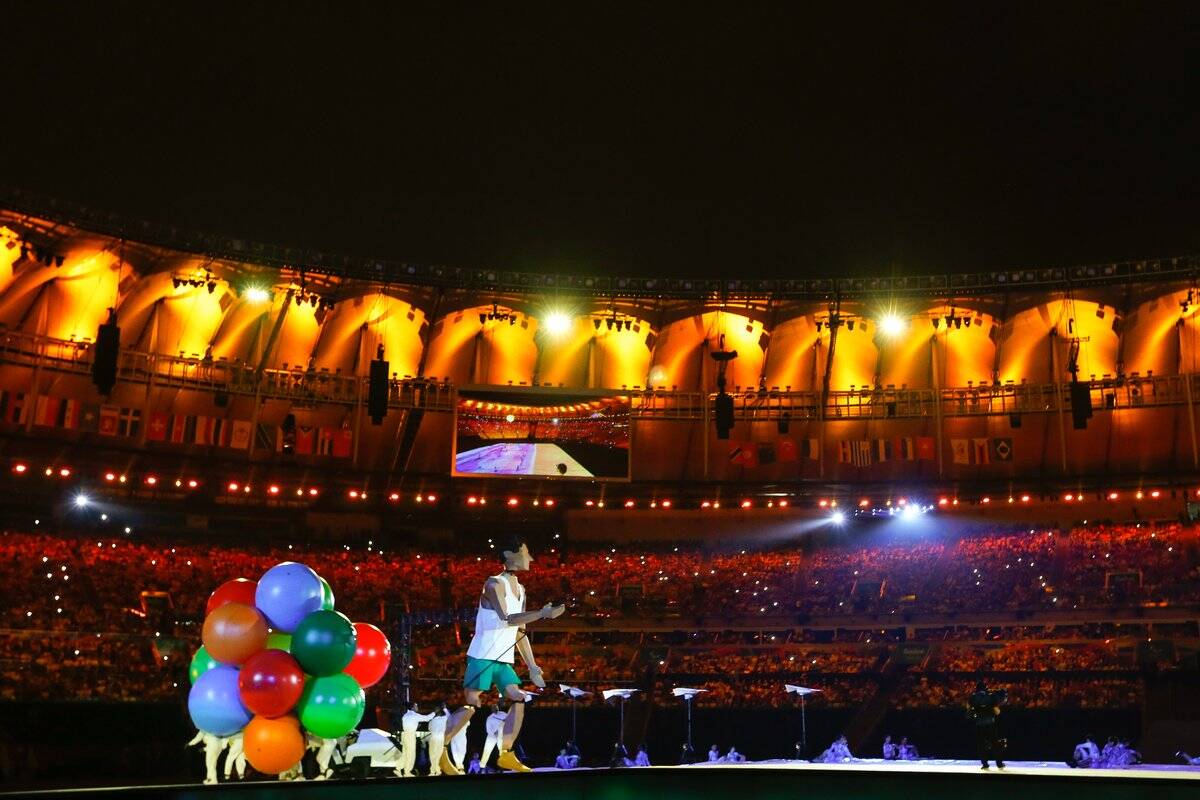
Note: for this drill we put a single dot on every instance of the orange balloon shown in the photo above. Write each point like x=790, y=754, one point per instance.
x=234, y=632
x=273, y=745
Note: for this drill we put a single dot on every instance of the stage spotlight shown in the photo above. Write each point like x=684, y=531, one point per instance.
x=628, y=324
x=909, y=512
x=837, y=517
x=558, y=323
x=257, y=294
x=934, y=321
x=483, y=318
x=596, y=323
x=212, y=286
x=850, y=325
x=608, y=323
x=892, y=325
x=82, y=500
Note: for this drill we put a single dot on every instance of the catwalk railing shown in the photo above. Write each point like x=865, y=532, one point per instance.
x=321, y=386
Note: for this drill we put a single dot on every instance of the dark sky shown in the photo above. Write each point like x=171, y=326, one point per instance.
x=896, y=139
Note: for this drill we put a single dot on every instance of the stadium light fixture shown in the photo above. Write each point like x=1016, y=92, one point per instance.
x=257, y=294
x=838, y=517
x=558, y=323
x=892, y=325
x=82, y=500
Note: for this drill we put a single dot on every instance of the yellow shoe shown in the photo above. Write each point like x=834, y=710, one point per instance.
x=508, y=760
x=447, y=765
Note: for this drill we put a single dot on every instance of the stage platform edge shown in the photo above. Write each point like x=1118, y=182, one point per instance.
x=775, y=780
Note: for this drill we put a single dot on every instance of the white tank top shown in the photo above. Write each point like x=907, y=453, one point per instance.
x=495, y=639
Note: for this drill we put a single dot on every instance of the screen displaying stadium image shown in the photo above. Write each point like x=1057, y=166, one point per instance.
x=541, y=433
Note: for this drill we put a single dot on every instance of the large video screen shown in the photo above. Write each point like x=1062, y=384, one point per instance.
x=544, y=433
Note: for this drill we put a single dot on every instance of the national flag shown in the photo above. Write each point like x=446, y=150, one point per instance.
x=845, y=452
x=884, y=450
x=926, y=449
x=129, y=422
x=46, y=411
x=268, y=437
x=239, y=438
x=183, y=429
x=325, y=438
x=159, y=426
x=786, y=450
x=862, y=453
x=766, y=452
x=211, y=431
x=343, y=440
x=904, y=450
x=741, y=453
x=1002, y=449
x=961, y=450
x=89, y=417
x=981, y=451
x=305, y=439
x=110, y=417
x=68, y=414
x=13, y=408
x=813, y=450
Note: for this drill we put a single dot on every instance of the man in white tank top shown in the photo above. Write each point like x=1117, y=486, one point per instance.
x=499, y=631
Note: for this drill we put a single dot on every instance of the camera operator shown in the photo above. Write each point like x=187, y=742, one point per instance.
x=984, y=708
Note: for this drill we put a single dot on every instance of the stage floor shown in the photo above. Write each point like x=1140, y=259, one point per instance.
x=931, y=779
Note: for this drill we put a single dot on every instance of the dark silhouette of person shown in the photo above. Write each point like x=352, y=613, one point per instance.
x=984, y=708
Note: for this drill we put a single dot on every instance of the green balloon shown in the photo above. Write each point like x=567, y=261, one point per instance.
x=331, y=706
x=324, y=642
x=279, y=641
x=202, y=662
x=326, y=595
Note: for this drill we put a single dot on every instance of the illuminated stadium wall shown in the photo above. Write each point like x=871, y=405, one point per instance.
x=972, y=385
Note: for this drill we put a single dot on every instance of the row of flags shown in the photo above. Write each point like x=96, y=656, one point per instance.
x=189, y=429
x=866, y=452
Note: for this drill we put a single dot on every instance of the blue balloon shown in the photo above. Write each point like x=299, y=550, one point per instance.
x=287, y=593
x=215, y=704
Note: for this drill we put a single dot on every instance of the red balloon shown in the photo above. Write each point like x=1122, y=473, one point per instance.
x=372, y=655
x=238, y=590
x=270, y=683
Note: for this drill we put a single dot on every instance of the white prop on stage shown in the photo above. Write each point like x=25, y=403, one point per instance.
x=575, y=693
x=494, y=738
x=620, y=754
x=378, y=745
x=688, y=754
x=802, y=692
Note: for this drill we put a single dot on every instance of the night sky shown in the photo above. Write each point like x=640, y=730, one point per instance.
x=895, y=139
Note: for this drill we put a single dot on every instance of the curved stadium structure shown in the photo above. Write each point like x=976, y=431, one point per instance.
x=1014, y=381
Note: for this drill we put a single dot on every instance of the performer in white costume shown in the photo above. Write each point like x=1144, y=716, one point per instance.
x=499, y=630
x=213, y=747
x=437, y=740
x=458, y=748
x=494, y=725
x=408, y=739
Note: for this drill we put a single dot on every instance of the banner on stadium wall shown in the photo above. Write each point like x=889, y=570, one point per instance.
x=182, y=429
x=866, y=452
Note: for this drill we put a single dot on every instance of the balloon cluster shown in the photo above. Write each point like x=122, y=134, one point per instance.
x=277, y=660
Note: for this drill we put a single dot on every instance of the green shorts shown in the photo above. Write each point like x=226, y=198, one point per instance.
x=482, y=674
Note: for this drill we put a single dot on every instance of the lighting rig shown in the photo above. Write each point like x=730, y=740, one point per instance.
x=200, y=278
x=612, y=320
x=496, y=315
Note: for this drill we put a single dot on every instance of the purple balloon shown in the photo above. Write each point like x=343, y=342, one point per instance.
x=287, y=593
x=215, y=704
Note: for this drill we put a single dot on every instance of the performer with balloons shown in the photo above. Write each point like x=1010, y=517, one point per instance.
x=499, y=630
x=278, y=662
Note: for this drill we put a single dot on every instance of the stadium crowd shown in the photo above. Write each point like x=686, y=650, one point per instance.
x=77, y=612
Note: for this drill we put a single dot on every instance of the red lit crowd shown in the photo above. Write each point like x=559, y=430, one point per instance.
x=115, y=618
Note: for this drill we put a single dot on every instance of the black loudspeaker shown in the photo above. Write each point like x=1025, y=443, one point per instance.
x=723, y=407
x=105, y=352
x=785, y=422
x=1014, y=420
x=377, y=391
x=289, y=434
x=1081, y=405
